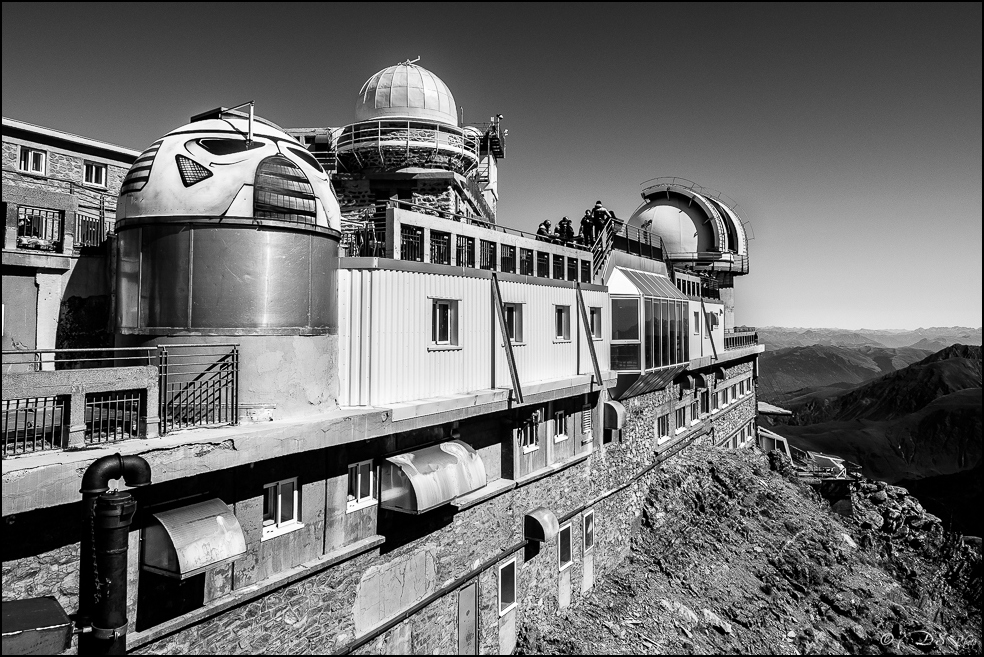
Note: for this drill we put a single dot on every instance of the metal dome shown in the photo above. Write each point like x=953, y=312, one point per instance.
x=406, y=91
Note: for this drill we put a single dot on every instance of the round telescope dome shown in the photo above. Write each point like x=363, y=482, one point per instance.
x=406, y=91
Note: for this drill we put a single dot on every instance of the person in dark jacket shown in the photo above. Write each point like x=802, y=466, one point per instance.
x=543, y=231
x=587, y=229
x=566, y=229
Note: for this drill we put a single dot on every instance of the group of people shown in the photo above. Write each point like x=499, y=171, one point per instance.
x=592, y=223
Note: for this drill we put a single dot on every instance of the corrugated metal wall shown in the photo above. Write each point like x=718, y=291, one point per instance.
x=386, y=354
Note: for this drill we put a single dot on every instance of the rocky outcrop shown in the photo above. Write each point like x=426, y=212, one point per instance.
x=734, y=557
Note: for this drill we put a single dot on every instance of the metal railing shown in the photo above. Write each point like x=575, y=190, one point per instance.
x=738, y=340
x=440, y=248
x=411, y=243
x=39, y=229
x=34, y=424
x=36, y=360
x=89, y=230
x=405, y=141
x=115, y=415
x=199, y=385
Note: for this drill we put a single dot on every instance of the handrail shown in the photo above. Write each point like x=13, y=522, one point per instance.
x=423, y=132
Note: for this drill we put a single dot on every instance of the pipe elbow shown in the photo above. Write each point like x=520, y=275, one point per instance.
x=134, y=470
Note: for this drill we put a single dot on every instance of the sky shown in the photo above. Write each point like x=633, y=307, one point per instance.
x=850, y=135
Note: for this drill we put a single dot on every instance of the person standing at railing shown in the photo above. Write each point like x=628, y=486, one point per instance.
x=543, y=231
x=566, y=230
x=601, y=216
x=587, y=229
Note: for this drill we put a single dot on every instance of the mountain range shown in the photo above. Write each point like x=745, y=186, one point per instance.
x=919, y=425
x=932, y=339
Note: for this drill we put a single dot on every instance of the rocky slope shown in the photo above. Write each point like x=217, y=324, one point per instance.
x=733, y=557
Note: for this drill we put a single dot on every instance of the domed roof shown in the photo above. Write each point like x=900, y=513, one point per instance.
x=208, y=168
x=406, y=91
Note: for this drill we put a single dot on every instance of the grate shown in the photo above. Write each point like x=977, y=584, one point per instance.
x=112, y=416
x=34, y=424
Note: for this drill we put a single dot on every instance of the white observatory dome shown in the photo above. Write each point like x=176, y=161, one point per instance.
x=406, y=91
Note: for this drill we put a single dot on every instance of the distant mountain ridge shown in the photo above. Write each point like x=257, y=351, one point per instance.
x=795, y=375
x=935, y=337
x=921, y=423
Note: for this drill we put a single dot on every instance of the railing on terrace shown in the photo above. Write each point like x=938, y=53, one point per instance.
x=740, y=339
x=34, y=424
x=39, y=229
x=391, y=143
x=199, y=385
x=50, y=404
x=90, y=230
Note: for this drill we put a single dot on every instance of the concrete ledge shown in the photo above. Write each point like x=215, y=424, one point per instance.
x=36, y=259
x=552, y=468
x=724, y=356
x=253, y=591
x=487, y=492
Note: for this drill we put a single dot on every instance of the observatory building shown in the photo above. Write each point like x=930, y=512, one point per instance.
x=346, y=409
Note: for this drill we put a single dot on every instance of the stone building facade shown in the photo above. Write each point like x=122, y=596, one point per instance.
x=339, y=553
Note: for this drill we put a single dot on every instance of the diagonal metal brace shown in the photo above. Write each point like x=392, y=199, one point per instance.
x=506, y=340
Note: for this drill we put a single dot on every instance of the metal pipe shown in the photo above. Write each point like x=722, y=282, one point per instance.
x=106, y=518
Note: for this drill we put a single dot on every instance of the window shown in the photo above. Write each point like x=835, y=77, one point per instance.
x=507, y=586
x=281, y=508
x=558, y=267
x=514, y=321
x=662, y=428
x=444, y=322
x=694, y=412
x=529, y=433
x=526, y=262
x=715, y=402
x=594, y=317
x=561, y=420
x=94, y=174
x=585, y=271
x=542, y=264
x=588, y=530
x=361, y=485
x=562, y=322
x=696, y=322
x=440, y=247
x=486, y=254
x=681, y=419
x=705, y=402
x=625, y=335
x=722, y=398
x=466, y=251
x=565, y=552
x=32, y=160
x=734, y=393
x=508, y=259
x=572, y=269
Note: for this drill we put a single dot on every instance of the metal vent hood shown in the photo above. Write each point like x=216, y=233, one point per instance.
x=421, y=480
x=192, y=539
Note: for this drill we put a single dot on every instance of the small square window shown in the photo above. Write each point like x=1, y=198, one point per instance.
x=95, y=174
x=514, y=321
x=562, y=323
x=565, y=551
x=444, y=322
x=662, y=428
x=561, y=422
x=529, y=433
x=588, y=530
x=33, y=160
x=281, y=508
x=594, y=317
x=361, y=485
x=507, y=586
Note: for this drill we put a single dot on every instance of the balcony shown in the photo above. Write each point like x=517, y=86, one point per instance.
x=90, y=230
x=39, y=229
x=56, y=399
x=391, y=145
x=739, y=339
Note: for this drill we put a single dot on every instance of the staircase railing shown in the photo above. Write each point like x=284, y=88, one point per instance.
x=199, y=385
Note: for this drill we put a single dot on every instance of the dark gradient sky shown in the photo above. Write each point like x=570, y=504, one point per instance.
x=849, y=134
